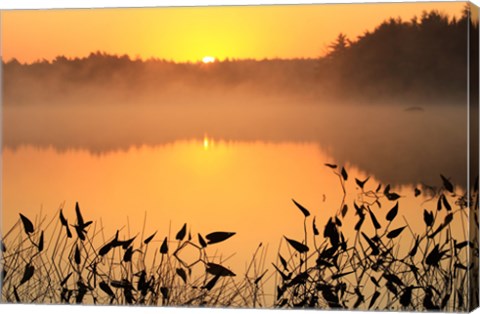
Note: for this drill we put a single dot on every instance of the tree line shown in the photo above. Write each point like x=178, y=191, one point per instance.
x=423, y=59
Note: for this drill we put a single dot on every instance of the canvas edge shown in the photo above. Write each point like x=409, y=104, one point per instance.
x=1, y=148
x=473, y=151
x=473, y=143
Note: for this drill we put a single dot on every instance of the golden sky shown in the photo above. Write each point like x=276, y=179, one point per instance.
x=189, y=34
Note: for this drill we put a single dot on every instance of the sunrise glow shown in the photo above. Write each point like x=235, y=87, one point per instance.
x=208, y=59
x=191, y=34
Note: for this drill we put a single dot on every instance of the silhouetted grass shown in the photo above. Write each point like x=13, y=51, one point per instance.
x=71, y=267
x=386, y=265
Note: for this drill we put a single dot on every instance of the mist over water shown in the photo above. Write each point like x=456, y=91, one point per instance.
x=398, y=143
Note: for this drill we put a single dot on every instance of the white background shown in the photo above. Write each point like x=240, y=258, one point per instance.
x=72, y=309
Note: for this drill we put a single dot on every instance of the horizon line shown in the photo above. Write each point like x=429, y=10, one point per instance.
x=157, y=59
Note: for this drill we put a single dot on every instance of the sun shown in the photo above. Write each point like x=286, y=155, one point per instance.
x=208, y=59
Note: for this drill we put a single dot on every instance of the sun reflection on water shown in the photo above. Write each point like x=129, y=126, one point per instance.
x=206, y=142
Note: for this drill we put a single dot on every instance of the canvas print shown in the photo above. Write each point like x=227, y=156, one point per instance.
x=318, y=156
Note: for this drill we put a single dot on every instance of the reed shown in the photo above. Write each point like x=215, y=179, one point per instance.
x=71, y=267
x=386, y=265
x=381, y=268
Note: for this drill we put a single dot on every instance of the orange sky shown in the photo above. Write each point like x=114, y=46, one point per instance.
x=189, y=34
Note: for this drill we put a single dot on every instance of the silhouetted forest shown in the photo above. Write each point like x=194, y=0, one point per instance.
x=424, y=59
x=114, y=78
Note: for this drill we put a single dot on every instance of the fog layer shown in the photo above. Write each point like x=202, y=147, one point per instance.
x=397, y=143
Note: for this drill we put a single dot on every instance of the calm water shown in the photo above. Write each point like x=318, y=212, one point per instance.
x=244, y=187
x=378, y=139
x=155, y=169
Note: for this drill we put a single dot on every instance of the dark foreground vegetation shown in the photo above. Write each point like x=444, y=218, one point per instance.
x=386, y=265
x=418, y=60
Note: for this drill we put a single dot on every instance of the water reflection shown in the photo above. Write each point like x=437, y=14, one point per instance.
x=397, y=145
x=213, y=185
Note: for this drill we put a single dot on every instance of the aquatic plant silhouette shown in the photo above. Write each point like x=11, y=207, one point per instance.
x=68, y=269
x=377, y=269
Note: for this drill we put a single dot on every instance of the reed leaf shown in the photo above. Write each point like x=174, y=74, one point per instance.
x=304, y=211
x=27, y=274
x=392, y=213
x=164, y=247
x=219, y=270
x=219, y=236
x=181, y=233
x=395, y=233
x=299, y=247
x=27, y=224
x=447, y=184
x=150, y=238
x=344, y=174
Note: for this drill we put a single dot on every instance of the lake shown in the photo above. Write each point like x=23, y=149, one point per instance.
x=152, y=169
